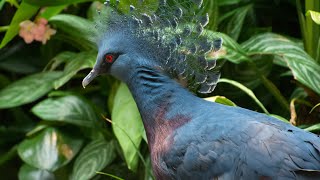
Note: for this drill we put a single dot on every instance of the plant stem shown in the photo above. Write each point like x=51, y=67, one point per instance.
x=272, y=88
x=275, y=92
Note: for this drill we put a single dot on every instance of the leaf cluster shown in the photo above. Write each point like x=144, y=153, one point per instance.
x=52, y=128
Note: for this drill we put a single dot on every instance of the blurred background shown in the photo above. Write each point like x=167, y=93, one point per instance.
x=52, y=128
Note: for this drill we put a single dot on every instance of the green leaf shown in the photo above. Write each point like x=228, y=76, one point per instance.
x=228, y=2
x=54, y=2
x=113, y=90
x=59, y=59
x=275, y=92
x=211, y=7
x=93, y=158
x=148, y=174
x=110, y=175
x=2, y=3
x=221, y=100
x=37, y=129
x=27, y=89
x=80, y=30
x=231, y=50
x=248, y=73
x=50, y=149
x=235, y=23
x=69, y=109
x=92, y=10
x=246, y=90
x=279, y=117
x=13, y=3
x=48, y=12
x=315, y=16
x=303, y=67
x=28, y=172
x=314, y=107
x=76, y=63
x=315, y=127
x=24, y=12
x=127, y=125
x=312, y=34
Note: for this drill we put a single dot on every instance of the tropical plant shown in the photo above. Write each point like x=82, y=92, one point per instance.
x=51, y=127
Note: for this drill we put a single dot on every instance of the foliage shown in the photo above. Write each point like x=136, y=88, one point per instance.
x=52, y=128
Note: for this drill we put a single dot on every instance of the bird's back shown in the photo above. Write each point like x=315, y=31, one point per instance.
x=235, y=143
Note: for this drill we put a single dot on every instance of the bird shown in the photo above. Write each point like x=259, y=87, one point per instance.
x=164, y=55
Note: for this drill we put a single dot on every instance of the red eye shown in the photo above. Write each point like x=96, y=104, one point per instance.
x=108, y=58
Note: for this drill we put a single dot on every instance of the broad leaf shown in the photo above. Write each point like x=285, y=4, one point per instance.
x=235, y=23
x=127, y=125
x=61, y=58
x=93, y=158
x=315, y=16
x=228, y=2
x=48, y=12
x=211, y=7
x=221, y=100
x=28, y=172
x=69, y=109
x=54, y=2
x=24, y=12
x=79, y=30
x=76, y=63
x=1, y=4
x=50, y=149
x=303, y=67
x=27, y=89
x=246, y=74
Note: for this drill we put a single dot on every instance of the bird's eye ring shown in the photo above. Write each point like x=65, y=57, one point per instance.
x=108, y=58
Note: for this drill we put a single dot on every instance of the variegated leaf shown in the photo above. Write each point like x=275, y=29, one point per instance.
x=303, y=67
x=93, y=158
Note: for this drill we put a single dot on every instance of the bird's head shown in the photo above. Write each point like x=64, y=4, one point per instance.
x=118, y=54
x=171, y=38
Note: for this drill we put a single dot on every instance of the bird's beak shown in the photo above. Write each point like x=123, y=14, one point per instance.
x=93, y=73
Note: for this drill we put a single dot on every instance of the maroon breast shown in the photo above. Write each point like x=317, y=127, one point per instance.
x=160, y=138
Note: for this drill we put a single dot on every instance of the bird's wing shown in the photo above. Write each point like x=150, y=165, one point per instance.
x=248, y=149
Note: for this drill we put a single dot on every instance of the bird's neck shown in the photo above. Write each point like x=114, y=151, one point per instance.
x=160, y=100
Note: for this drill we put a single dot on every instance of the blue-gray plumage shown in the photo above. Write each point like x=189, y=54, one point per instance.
x=188, y=137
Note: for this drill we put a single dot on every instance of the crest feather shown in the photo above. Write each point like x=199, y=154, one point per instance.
x=173, y=34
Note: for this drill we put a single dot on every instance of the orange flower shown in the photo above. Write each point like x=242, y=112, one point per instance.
x=47, y=34
x=26, y=28
x=42, y=21
x=38, y=31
